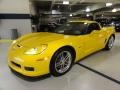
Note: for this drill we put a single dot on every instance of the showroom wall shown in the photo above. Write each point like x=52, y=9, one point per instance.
x=14, y=14
x=32, y=8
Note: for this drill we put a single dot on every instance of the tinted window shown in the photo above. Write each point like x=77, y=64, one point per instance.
x=72, y=28
x=93, y=26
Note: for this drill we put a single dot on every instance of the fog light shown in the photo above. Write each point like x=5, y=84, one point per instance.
x=29, y=68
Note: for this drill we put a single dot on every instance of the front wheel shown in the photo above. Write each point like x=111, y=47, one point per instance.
x=110, y=43
x=61, y=62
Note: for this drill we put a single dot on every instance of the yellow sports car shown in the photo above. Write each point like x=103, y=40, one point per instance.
x=55, y=52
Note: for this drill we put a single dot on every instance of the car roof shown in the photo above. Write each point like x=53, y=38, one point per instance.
x=85, y=21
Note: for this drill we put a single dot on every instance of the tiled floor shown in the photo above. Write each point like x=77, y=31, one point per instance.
x=79, y=78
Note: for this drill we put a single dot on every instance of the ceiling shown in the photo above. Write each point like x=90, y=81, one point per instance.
x=48, y=5
x=72, y=1
x=77, y=6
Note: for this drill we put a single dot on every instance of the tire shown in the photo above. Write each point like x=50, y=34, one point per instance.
x=110, y=43
x=59, y=65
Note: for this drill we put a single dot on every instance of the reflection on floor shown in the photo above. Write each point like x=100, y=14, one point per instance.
x=79, y=78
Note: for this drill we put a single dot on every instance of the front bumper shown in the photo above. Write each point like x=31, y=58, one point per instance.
x=32, y=67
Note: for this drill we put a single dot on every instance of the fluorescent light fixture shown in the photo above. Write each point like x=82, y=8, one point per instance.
x=71, y=15
x=55, y=12
x=85, y=23
x=66, y=2
x=114, y=10
x=87, y=10
x=108, y=4
x=87, y=15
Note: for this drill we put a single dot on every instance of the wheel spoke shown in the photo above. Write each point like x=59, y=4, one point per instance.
x=58, y=64
x=62, y=56
x=66, y=58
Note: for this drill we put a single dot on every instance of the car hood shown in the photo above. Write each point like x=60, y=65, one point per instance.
x=39, y=39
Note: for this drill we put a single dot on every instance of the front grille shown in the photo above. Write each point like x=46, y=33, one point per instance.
x=15, y=64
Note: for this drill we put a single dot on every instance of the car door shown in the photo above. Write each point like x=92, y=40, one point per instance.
x=82, y=40
x=86, y=41
x=97, y=36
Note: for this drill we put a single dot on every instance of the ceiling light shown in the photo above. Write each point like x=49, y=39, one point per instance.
x=114, y=10
x=87, y=15
x=87, y=9
x=108, y=4
x=66, y=2
x=71, y=15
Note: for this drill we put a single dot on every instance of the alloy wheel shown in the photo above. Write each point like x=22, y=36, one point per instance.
x=63, y=61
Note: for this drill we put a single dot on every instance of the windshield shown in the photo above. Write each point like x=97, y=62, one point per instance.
x=72, y=28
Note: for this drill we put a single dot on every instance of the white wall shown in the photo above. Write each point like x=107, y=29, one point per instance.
x=32, y=9
x=14, y=7
x=23, y=26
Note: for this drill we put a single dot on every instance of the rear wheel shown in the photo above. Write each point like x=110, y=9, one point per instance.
x=61, y=62
x=110, y=43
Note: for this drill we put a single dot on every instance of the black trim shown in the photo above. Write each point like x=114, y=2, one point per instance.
x=29, y=78
x=99, y=73
x=14, y=16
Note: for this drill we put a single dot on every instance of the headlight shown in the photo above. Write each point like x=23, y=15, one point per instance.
x=36, y=50
x=14, y=42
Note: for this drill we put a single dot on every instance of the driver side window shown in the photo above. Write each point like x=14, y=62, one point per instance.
x=92, y=27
